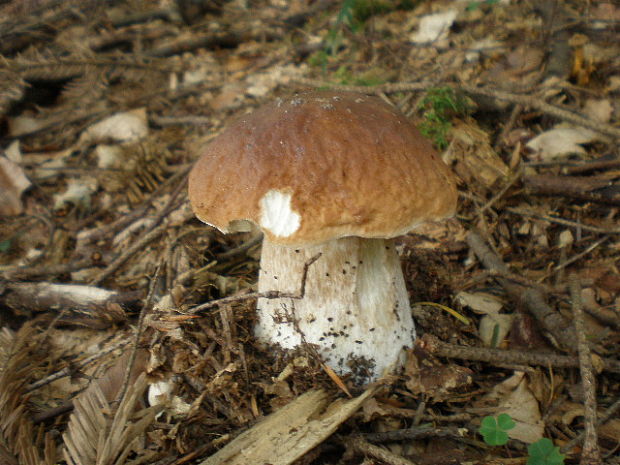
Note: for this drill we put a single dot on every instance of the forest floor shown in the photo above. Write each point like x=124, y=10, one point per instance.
x=105, y=357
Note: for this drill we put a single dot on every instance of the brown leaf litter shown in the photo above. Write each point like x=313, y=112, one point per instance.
x=127, y=325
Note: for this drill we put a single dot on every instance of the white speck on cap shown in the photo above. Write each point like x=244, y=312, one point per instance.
x=276, y=215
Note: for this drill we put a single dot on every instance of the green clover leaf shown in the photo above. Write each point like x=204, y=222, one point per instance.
x=543, y=452
x=493, y=430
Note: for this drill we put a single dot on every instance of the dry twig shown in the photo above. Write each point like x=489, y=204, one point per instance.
x=609, y=413
x=379, y=452
x=501, y=357
x=590, y=453
x=69, y=370
x=562, y=221
x=532, y=298
x=135, y=248
x=259, y=295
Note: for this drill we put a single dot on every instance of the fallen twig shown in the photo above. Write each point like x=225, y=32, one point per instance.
x=25, y=272
x=415, y=433
x=71, y=369
x=258, y=295
x=609, y=412
x=532, y=298
x=501, y=357
x=148, y=303
x=380, y=453
x=590, y=453
x=574, y=187
x=562, y=221
x=133, y=249
x=539, y=104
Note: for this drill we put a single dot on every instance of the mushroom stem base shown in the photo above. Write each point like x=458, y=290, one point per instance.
x=355, y=309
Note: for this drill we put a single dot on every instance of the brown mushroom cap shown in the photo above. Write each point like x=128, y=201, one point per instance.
x=319, y=166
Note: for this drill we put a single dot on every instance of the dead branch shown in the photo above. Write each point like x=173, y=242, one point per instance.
x=135, y=248
x=148, y=303
x=415, y=433
x=590, y=166
x=92, y=306
x=532, y=298
x=562, y=221
x=25, y=272
x=590, y=453
x=574, y=187
x=70, y=370
x=535, y=102
x=499, y=357
x=606, y=416
x=379, y=453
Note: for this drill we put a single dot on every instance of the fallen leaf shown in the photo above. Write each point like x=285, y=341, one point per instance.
x=599, y=110
x=13, y=183
x=230, y=96
x=427, y=375
x=129, y=126
x=494, y=328
x=22, y=125
x=78, y=193
x=480, y=302
x=514, y=397
x=434, y=27
x=559, y=142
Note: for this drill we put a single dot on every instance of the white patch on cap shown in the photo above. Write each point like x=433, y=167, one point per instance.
x=277, y=215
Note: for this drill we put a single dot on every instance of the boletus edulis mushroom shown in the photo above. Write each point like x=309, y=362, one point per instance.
x=335, y=173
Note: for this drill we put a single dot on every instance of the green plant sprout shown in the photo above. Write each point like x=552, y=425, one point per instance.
x=439, y=105
x=494, y=430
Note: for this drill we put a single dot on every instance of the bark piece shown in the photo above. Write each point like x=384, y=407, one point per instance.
x=287, y=434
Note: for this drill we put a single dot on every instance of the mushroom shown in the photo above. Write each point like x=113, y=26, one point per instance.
x=335, y=173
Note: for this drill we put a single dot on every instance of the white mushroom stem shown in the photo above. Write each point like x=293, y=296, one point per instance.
x=355, y=308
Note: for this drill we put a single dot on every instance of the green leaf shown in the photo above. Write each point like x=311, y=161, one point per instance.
x=493, y=430
x=505, y=422
x=543, y=452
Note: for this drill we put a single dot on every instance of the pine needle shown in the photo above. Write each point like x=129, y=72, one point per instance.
x=98, y=434
x=19, y=444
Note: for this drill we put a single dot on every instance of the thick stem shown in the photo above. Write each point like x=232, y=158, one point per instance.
x=355, y=309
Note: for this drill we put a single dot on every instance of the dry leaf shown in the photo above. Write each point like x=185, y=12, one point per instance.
x=494, y=328
x=480, y=302
x=559, y=142
x=514, y=397
x=230, y=97
x=434, y=27
x=427, y=375
x=129, y=126
x=521, y=65
x=599, y=110
x=13, y=182
x=22, y=125
x=78, y=193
